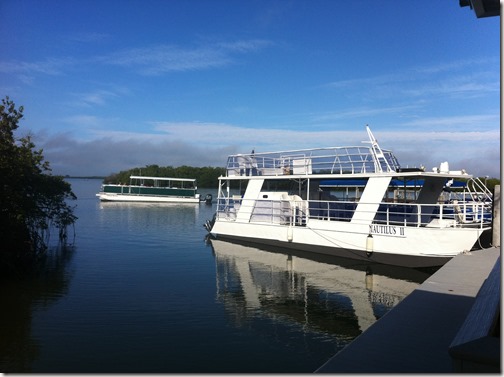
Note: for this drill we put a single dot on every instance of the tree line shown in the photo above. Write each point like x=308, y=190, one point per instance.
x=206, y=177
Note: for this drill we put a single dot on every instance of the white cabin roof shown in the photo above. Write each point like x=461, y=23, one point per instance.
x=162, y=178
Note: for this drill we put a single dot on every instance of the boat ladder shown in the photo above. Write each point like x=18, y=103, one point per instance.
x=378, y=155
x=479, y=191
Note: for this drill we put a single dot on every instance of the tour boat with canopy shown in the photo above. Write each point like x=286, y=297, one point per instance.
x=152, y=189
x=355, y=202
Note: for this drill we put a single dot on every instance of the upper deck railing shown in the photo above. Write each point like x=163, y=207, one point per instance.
x=336, y=160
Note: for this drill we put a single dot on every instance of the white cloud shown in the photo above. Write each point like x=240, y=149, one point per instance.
x=456, y=123
x=162, y=59
x=87, y=125
x=464, y=78
x=155, y=60
x=98, y=97
x=363, y=112
x=365, y=82
x=457, y=86
x=105, y=156
x=84, y=120
x=208, y=144
x=251, y=45
x=49, y=66
x=465, y=65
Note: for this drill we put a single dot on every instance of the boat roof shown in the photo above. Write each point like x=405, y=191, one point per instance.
x=335, y=162
x=162, y=178
x=331, y=162
x=358, y=176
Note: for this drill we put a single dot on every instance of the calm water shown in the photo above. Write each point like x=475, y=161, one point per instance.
x=142, y=291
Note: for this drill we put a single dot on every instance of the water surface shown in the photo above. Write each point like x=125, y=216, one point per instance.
x=142, y=291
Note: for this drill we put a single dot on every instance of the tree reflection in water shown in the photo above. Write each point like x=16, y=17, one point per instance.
x=21, y=294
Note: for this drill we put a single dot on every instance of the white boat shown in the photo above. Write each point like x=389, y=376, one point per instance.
x=152, y=189
x=301, y=199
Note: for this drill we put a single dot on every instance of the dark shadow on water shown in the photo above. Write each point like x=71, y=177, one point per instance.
x=38, y=286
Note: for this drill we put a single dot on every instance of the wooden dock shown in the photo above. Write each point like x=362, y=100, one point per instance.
x=417, y=335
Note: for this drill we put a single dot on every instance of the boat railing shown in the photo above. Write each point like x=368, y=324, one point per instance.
x=289, y=212
x=338, y=160
x=271, y=211
x=479, y=191
x=404, y=214
x=146, y=190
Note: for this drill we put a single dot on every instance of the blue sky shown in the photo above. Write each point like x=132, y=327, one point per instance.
x=111, y=85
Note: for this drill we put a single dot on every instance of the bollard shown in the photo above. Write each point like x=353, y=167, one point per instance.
x=496, y=217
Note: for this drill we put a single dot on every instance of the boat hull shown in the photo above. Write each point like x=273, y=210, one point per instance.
x=400, y=246
x=113, y=197
x=382, y=258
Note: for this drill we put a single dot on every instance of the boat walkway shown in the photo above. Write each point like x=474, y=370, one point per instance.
x=415, y=336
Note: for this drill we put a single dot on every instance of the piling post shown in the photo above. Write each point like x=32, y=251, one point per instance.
x=496, y=217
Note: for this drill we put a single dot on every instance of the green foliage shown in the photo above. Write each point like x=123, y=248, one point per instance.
x=206, y=177
x=32, y=202
x=490, y=182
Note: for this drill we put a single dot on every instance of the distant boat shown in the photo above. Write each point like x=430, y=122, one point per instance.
x=152, y=189
x=350, y=201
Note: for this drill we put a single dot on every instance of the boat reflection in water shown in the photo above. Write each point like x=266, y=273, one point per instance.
x=143, y=205
x=333, y=299
x=138, y=213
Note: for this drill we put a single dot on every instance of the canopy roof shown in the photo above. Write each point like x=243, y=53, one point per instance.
x=162, y=178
